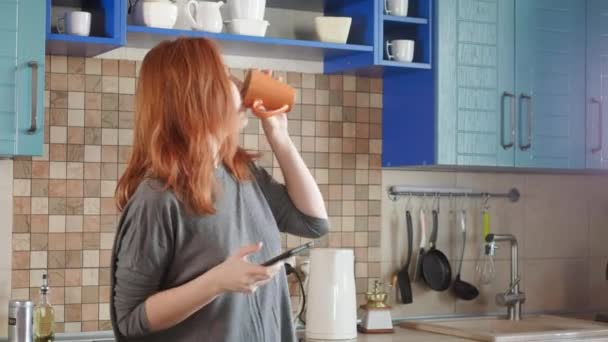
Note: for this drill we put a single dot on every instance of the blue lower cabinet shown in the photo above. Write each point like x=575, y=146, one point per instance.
x=22, y=35
x=597, y=88
x=550, y=77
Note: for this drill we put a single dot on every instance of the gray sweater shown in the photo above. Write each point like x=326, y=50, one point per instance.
x=159, y=246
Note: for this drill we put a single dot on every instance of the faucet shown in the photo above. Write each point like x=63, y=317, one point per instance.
x=512, y=298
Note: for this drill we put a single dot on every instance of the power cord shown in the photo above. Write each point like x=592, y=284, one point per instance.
x=291, y=270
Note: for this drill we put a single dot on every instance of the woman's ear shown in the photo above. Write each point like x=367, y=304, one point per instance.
x=236, y=97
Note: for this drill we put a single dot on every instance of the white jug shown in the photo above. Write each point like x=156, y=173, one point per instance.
x=206, y=16
x=332, y=303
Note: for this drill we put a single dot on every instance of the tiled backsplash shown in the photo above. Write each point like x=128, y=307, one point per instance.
x=64, y=212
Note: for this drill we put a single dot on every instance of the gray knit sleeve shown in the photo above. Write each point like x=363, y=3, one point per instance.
x=289, y=218
x=143, y=250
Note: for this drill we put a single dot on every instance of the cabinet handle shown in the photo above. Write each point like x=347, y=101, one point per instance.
x=526, y=97
x=34, y=111
x=510, y=144
x=600, y=120
x=386, y=10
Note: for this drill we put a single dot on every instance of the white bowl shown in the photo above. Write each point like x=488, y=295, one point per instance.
x=333, y=29
x=155, y=14
x=247, y=9
x=248, y=27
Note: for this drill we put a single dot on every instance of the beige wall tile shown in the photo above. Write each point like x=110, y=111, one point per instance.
x=38, y=259
x=92, y=66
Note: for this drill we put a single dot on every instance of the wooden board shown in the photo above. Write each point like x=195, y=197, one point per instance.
x=535, y=328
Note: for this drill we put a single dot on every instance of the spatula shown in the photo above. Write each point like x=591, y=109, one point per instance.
x=403, y=276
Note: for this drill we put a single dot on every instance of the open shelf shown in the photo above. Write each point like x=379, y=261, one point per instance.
x=141, y=36
x=412, y=65
x=417, y=27
x=406, y=20
x=107, y=27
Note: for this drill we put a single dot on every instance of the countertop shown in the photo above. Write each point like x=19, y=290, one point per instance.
x=401, y=335
x=405, y=335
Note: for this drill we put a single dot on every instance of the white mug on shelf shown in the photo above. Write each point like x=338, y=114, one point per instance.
x=396, y=7
x=76, y=23
x=402, y=50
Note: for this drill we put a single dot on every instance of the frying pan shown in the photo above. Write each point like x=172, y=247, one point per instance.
x=436, y=270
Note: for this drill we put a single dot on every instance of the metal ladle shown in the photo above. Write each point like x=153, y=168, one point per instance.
x=462, y=289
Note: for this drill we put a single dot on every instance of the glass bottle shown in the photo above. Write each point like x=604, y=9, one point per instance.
x=44, y=315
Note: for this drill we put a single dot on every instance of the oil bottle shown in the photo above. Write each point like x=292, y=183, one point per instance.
x=44, y=315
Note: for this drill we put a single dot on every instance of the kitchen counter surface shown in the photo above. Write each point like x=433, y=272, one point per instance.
x=404, y=335
x=401, y=335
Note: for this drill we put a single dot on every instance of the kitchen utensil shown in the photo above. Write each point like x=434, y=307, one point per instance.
x=247, y=9
x=436, y=270
x=403, y=276
x=396, y=7
x=76, y=23
x=401, y=50
x=333, y=29
x=418, y=270
x=206, y=15
x=277, y=97
x=20, y=319
x=486, y=269
x=462, y=289
x=332, y=306
x=160, y=14
x=248, y=27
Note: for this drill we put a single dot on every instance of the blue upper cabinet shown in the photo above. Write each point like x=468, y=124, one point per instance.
x=475, y=83
x=597, y=87
x=509, y=89
x=22, y=28
x=550, y=77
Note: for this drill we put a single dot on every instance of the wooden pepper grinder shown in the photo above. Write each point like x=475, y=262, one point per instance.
x=377, y=317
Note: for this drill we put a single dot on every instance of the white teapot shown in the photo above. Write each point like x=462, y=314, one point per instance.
x=206, y=15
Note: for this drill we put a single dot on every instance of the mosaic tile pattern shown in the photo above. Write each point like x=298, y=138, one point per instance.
x=64, y=212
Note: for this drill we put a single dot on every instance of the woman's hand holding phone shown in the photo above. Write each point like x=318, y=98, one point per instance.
x=237, y=274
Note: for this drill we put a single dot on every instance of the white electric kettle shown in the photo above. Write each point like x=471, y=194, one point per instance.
x=206, y=15
x=332, y=303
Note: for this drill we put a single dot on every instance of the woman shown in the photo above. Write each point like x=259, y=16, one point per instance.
x=198, y=217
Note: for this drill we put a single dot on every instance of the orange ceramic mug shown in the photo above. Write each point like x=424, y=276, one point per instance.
x=266, y=95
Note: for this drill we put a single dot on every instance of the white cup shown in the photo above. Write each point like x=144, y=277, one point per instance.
x=401, y=50
x=76, y=23
x=396, y=7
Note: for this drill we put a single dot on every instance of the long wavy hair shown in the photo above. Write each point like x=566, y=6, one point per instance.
x=186, y=122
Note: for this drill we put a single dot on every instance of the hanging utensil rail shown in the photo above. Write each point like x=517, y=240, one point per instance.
x=396, y=191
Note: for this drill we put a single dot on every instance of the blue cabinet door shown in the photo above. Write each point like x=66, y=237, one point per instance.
x=597, y=84
x=475, y=82
x=22, y=34
x=550, y=83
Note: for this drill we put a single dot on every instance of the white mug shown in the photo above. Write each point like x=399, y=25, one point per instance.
x=402, y=50
x=396, y=7
x=76, y=23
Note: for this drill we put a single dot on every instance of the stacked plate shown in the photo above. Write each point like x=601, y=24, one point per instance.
x=247, y=17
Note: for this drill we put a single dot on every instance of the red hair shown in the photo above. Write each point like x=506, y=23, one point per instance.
x=186, y=122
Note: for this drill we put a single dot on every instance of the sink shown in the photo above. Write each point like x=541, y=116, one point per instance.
x=531, y=328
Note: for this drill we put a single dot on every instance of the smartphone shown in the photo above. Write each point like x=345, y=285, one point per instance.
x=289, y=254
